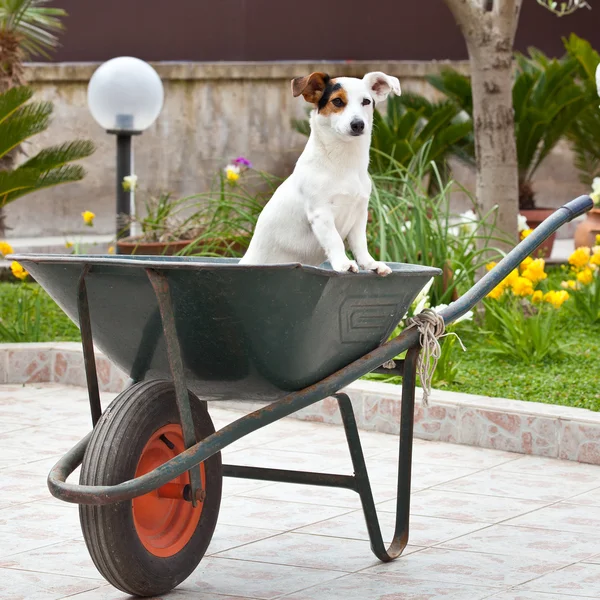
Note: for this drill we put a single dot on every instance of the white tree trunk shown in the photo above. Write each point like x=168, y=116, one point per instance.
x=488, y=27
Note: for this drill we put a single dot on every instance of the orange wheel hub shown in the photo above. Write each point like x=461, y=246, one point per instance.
x=163, y=520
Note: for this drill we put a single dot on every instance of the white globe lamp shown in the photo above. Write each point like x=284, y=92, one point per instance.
x=125, y=96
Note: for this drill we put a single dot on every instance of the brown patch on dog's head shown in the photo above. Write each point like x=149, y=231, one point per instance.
x=311, y=86
x=333, y=100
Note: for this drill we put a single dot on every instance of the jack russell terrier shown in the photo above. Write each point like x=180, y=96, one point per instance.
x=325, y=200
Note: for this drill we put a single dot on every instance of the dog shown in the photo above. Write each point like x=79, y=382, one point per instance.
x=325, y=200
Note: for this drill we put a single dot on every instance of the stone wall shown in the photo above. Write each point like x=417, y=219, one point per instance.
x=212, y=112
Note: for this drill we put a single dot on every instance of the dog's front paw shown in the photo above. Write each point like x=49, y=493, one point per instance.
x=379, y=267
x=345, y=265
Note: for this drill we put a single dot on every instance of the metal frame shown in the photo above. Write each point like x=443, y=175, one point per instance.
x=197, y=452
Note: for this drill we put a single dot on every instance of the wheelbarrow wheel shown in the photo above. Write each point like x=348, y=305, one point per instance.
x=148, y=545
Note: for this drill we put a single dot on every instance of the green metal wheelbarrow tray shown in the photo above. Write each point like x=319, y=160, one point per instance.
x=192, y=330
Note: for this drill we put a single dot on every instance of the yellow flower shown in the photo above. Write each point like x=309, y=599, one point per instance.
x=522, y=286
x=538, y=296
x=580, y=257
x=490, y=266
x=535, y=270
x=5, y=248
x=88, y=218
x=586, y=276
x=511, y=277
x=570, y=284
x=232, y=175
x=111, y=249
x=526, y=263
x=496, y=292
x=557, y=299
x=17, y=270
x=525, y=233
x=68, y=244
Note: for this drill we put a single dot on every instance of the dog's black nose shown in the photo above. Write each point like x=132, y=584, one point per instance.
x=357, y=126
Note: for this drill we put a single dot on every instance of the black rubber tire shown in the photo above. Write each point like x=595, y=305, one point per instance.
x=112, y=457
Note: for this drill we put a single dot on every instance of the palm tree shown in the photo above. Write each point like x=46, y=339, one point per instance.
x=20, y=120
x=28, y=28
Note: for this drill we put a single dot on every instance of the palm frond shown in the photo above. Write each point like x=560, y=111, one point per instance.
x=13, y=99
x=64, y=174
x=56, y=156
x=22, y=124
x=34, y=22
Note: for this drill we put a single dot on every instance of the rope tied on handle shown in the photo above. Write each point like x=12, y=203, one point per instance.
x=431, y=328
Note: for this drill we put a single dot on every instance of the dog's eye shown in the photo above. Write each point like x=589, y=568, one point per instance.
x=366, y=102
x=337, y=102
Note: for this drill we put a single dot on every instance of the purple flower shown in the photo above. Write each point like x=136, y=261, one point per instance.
x=240, y=160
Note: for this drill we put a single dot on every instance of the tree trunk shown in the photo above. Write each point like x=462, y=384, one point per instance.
x=489, y=27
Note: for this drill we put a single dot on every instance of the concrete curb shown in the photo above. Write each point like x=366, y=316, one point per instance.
x=512, y=425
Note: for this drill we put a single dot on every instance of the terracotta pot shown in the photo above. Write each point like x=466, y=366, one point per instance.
x=132, y=246
x=534, y=217
x=587, y=230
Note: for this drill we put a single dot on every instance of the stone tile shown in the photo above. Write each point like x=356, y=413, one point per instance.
x=464, y=507
x=553, y=467
x=544, y=544
x=309, y=551
x=562, y=517
x=519, y=593
x=31, y=526
x=591, y=498
x=370, y=587
x=442, y=454
x=499, y=482
x=321, y=496
x=65, y=558
x=581, y=580
x=424, y=531
x=30, y=365
x=510, y=431
x=282, y=459
x=468, y=568
x=227, y=537
x=107, y=592
x=26, y=585
x=268, y=514
x=253, y=579
x=580, y=441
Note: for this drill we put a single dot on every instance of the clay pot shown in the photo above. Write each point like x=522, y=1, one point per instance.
x=534, y=217
x=133, y=246
x=588, y=229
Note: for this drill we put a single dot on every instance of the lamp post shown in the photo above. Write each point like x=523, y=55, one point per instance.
x=125, y=96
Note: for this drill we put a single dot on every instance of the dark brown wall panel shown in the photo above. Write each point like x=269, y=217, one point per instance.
x=268, y=30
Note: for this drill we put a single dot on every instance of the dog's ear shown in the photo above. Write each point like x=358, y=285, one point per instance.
x=311, y=86
x=381, y=85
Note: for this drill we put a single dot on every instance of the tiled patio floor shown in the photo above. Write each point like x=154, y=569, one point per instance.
x=485, y=524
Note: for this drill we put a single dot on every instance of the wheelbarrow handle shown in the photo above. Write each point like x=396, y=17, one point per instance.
x=511, y=261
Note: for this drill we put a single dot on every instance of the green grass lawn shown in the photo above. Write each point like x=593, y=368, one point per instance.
x=574, y=380
x=32, y=316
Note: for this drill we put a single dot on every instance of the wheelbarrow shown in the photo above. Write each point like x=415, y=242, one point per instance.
x=189, y=331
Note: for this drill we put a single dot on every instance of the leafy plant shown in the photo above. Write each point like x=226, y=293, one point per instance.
x=522, y=316
x=19, y=121
x=584, y=132
x=409, y=225
x=585, y=285
x=547, y=99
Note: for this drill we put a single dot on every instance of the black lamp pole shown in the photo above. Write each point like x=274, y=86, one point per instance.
x=124, y=154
